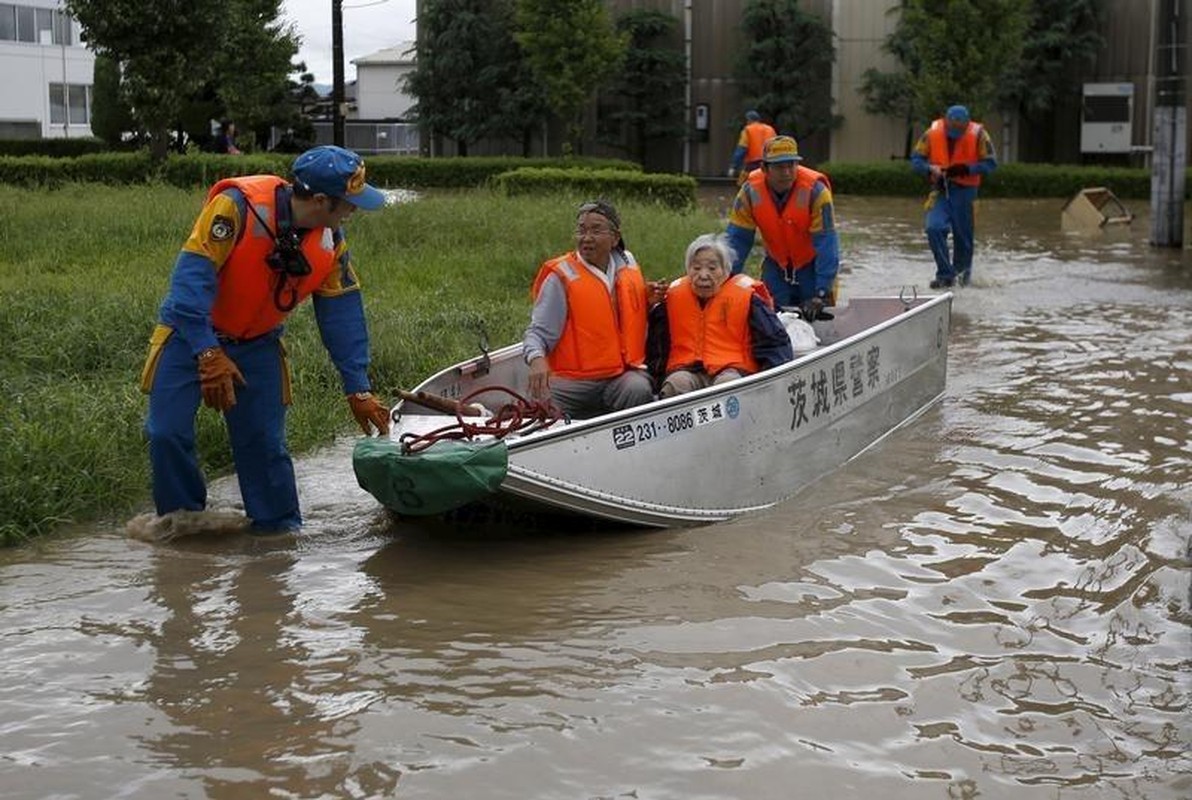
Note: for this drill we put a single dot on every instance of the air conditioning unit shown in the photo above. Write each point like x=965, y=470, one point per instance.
x=1107, y=116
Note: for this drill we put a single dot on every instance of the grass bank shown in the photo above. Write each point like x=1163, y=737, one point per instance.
x=84, y=267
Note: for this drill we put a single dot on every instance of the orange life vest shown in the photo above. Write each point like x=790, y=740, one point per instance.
x=757, y=134
x=244, y=299
x=964, y=150
x=600, y=337
x=787, y=235
x=716, y=334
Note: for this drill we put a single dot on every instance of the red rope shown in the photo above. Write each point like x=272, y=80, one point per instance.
x=517, y=416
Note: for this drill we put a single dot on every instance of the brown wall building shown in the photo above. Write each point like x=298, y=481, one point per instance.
x=709, y=33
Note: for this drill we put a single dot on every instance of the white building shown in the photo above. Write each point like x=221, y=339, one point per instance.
x=379, y=76
x=48, y=73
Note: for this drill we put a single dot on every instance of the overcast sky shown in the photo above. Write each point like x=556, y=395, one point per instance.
x=369, y=26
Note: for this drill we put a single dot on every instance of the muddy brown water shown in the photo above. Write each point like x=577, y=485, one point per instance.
x=992, y=603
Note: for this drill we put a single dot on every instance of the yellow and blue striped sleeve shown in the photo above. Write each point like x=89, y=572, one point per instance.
x=343, y=278
x=215, y=231
x=821, y=209
x=741, y=214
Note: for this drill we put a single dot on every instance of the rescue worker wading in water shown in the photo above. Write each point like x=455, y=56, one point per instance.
x=259, y=248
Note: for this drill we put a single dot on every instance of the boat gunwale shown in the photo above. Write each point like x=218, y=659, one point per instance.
x=543, y=435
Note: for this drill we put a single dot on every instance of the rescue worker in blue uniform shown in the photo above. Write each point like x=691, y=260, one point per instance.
x=747, y=155
x=259, y=247
x=954, y=152
x=791, y=206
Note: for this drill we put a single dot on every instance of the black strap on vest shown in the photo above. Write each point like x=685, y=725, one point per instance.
x=287, y=260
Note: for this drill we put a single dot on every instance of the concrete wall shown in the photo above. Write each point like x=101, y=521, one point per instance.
x=861, y=28
x=378, y=91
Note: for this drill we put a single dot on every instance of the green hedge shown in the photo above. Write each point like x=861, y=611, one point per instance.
x=110, y=168
x=55, y=148
x=895, y=178
x=413, y=172
x=203, y=169
x=589, y=176
x=673, y=191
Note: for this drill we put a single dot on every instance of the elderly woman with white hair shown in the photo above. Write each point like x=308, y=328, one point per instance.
x=711, y=328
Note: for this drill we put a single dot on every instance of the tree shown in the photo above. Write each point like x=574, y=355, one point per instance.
x=176, y=54
x=785, y=69
x=1062, y=34
x=649, y=89
x=470, y=79
x=252, y=65
x=963, y=49
x=572, y=50
x=111, y=117
x=950, y=52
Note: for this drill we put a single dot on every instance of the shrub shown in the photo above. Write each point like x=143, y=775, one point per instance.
x=895, y=178
x=673, y=191
x=55, y=148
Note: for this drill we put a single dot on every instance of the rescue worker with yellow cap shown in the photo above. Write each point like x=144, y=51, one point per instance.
x=260, y=246
x=791, y=206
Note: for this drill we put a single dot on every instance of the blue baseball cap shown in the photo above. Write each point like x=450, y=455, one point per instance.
x=957, y=114
x=337, y=172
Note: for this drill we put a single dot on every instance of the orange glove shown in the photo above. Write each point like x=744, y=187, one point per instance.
x=368, y=410
x=218, y=376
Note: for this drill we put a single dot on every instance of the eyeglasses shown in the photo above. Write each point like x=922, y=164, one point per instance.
x=581, y=231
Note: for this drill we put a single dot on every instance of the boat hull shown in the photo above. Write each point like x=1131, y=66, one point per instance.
x=739, y=447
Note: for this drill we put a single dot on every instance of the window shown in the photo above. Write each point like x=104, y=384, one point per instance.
x=8, y=22
x=72, y=109
x=63, y=29
x=78, y=107
x=44, y=22
x=26, y=17
x=57, y=105
x=39, y=25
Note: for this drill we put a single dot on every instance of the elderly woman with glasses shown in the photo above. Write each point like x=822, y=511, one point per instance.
x=586, y=343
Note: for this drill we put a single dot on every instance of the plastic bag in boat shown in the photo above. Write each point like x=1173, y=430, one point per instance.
x=446, y=475
x=803, y=338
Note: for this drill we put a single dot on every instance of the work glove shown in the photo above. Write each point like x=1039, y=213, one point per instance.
x=957, y=170
x=811, y=308
x=731, y=172
x=368, y=410
x=218, y=376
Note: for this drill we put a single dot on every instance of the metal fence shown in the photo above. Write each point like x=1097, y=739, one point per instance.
x=369, y=138
x=376, y=138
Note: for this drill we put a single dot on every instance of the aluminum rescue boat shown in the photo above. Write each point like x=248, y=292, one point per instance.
x=698, y=458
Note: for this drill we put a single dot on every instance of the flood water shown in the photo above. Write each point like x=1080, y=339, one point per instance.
x=992, y=603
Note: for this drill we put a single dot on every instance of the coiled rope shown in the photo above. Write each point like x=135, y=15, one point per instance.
x=519, y=415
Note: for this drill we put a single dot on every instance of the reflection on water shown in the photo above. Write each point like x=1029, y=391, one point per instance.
x=993, y=603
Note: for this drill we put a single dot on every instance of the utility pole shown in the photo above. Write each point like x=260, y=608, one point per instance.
x=337, y=72
x=1170, y=127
